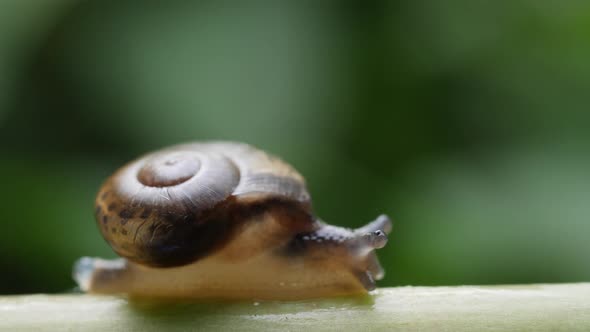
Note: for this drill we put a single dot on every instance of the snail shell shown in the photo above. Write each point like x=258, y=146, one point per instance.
x=173, y=206
x=224, y=219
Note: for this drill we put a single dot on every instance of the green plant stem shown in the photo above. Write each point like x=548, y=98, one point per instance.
x=559, y=307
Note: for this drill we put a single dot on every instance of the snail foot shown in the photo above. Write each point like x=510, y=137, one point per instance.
x=82, y=272
x=91, y=272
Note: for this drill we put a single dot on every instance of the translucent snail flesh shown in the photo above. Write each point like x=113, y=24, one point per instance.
x=223, y=220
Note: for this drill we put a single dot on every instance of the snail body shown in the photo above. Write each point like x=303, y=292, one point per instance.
x=223, y=220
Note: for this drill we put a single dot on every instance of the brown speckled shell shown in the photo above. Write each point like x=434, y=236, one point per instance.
x=176, y=205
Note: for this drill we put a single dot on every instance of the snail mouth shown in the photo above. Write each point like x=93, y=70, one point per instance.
x=168, y=170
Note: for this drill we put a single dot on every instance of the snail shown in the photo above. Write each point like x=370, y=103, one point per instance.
x=223, y=220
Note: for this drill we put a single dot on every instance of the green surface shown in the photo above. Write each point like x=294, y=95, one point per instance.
x=559, y=307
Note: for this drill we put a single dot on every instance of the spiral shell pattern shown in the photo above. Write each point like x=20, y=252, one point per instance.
x=178, y=204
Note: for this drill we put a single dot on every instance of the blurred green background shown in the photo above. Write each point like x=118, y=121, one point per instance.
x=466, y=121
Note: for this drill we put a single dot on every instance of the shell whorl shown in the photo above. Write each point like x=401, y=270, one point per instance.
x=175, y=205
x=168, y=170
x=171, y=178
